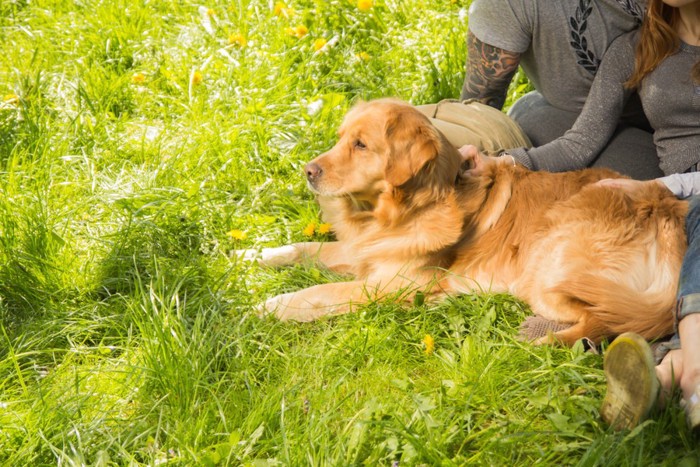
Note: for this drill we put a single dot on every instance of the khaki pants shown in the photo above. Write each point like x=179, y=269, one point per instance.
x=471, y=122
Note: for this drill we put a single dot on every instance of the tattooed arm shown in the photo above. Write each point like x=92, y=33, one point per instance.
x=489, y=72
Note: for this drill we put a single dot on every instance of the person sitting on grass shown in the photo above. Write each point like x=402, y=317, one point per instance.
x=559, y=45
x=547, y=39
x=662, y=61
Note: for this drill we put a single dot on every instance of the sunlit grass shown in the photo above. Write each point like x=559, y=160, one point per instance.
x=140, y=143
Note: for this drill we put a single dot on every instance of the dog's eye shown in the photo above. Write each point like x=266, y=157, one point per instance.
x=360, y=145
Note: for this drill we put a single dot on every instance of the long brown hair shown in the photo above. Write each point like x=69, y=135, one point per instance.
x=658, y=40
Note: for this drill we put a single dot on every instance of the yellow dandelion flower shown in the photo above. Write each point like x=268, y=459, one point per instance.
x=236, y=234
x=309, y=230
x=11, y=98
x=197, y=77
x=319, y=43
x=429, y=343
x=138, y=78
x=364, y=56
x=279, y=8
x=364, y=5
x=324, y=228
x=300, y=31
x=211, y=12
x=237, y=39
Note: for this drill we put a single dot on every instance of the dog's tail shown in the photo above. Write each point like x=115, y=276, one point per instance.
x=618, y=308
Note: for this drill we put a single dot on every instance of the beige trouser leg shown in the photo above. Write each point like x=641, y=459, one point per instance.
x=471, y=122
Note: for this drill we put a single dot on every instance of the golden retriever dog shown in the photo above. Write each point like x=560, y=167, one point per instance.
x=601, y=258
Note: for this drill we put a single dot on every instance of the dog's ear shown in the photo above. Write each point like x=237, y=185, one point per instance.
x=412, y=142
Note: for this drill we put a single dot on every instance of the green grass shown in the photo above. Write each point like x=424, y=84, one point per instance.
x=127, y=332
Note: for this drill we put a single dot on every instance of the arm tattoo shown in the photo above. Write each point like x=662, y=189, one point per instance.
x=489, y=72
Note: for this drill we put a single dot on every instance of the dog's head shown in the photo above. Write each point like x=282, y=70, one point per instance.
x=383, y=144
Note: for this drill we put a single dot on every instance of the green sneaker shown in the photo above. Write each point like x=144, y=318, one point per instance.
x=632, y=383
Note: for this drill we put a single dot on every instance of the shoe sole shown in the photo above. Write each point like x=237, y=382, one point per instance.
x=632, y=385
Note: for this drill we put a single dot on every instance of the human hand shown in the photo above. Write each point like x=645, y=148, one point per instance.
x=477, y=162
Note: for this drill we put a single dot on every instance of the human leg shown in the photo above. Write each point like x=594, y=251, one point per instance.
x=631, y=151
x=541, y=121
x=668, y=372
x=471, y=122
x=689, y=330
x=688, y=314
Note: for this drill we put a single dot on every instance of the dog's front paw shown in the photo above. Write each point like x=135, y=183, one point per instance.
x=272, y=257
x=265, y=308
x=276, y=306
x=290, y=307
x=246, y=255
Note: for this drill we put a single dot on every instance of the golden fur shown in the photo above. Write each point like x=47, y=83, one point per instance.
x=601, y=258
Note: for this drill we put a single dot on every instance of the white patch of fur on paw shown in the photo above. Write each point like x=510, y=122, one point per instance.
x=277, y=256
x=278, y=306
x=266, y=308
x=247, y=255
x=286, y=307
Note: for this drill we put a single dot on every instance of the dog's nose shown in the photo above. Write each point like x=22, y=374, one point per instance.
x=313, y=171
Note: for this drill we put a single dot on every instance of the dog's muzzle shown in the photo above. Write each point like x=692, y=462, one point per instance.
x=313, y=172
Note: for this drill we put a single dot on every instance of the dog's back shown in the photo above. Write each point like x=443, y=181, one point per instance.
x=605, y=260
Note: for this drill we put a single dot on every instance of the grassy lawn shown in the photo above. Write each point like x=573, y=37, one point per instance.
x=142, y=142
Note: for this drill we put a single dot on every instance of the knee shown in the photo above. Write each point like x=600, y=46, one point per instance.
x=541, y=121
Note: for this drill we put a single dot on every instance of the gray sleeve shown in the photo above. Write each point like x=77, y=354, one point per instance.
x=506, y=24
x=683, y=185
x=579, y=146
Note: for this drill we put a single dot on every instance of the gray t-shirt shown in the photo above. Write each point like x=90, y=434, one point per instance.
x=562, y=42
x=670, y=98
